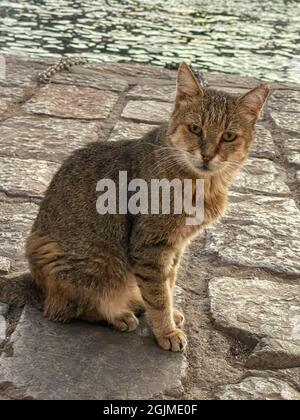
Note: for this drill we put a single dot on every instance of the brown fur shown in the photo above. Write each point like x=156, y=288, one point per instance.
x=106, y=267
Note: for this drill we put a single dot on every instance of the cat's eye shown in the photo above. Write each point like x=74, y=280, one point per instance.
x=195, y=129
x=229, y=136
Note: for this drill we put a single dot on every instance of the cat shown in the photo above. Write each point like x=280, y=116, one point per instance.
x=109, y=267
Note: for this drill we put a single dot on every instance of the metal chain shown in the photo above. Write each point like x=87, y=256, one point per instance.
x=66, y=63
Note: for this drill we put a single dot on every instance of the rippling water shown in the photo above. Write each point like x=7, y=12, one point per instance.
x=259, y=37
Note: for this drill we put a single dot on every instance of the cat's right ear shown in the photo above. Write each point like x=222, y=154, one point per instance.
x=187, y=84
x=252, y=103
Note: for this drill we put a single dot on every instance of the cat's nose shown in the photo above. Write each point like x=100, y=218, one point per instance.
x=205, y=161
x=205, y=158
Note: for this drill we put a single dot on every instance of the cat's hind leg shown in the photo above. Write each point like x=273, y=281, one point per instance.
x=119, y=306
x=47, y=263
x=88, y=288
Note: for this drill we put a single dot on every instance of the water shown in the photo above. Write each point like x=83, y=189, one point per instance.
x=259, y=38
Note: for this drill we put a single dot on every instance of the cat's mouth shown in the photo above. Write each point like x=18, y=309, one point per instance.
x=205, y=171
x=212, y=167
x=207, y=168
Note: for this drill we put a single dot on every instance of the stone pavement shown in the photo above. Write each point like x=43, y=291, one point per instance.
x=240, y=282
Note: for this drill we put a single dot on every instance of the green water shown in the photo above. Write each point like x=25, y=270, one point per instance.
x=259, y=38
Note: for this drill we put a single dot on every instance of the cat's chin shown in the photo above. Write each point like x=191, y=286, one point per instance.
x=208, y=172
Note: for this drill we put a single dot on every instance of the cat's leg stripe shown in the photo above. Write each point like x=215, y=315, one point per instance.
x=145, y=279
x=152, y=305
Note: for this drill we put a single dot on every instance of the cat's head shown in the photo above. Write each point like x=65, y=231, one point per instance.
x=213, y=129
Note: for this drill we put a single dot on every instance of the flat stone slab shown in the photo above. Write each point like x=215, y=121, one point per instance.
x=259, y=389
x=258, y=231
x=9, y=96
x=136, y=72
x=50, y=139
x=16, y=220
x=22, y=71
x=254, y=308
x=5, y=263
x=3, y=313
x=148, y=111
x=83, y=361
x=287, y=100
x=263, y=176
x=165, y=93
x=2, y=329
x=222, y=81
x=292, y=151
x=236, y=91
x=87, y=77
x=3, y=309
x=72, y=102
x=263, y=145
x=275, y=354
x=130, y=131
x=287, y=121
x=25, y=177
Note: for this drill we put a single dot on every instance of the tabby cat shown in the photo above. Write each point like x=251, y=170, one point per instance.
x=109, y=267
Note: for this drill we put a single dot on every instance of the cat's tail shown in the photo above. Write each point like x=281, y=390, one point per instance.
x=19, y=291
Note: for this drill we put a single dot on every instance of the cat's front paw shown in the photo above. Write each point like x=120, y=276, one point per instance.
x=178, y=318
x=174, y=341
x=126, y=323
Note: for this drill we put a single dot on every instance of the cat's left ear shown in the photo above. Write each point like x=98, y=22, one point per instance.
x=252, y=103
x=187, y=84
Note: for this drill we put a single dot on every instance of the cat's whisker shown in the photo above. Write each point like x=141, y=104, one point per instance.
x=236, y=167
x=168, y=161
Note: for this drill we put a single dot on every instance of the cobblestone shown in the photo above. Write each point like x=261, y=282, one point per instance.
x=244, y=273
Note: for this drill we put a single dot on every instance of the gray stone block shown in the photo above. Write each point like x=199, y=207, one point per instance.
x=83, y=361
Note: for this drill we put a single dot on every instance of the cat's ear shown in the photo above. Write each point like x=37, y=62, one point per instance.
x=187, y=84
x=252, y=103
